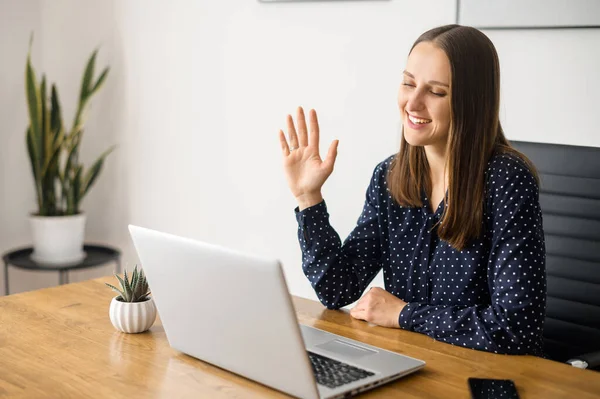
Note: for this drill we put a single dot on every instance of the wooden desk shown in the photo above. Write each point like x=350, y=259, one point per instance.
x=59, y=342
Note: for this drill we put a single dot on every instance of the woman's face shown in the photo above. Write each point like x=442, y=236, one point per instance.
x=424, y=96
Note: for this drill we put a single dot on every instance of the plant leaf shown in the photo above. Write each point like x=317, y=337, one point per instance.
x=142, y=286
x=88, y=75
x=45, y=124
x=99, y=82
x=115, y=289
x=34, y=168
x=84, y=93
x=126, y=297
x=73, y=180
x=72, y=150
x=128, y=286
x=76, y=187
x=34, y=107
x=93, y=173
x=143, y=298
x=134, y=279
x=32, y=154
x=68, y=174
x=56, y=124
x=52, y=162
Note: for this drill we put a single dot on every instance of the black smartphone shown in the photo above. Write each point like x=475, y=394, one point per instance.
x=486, y=388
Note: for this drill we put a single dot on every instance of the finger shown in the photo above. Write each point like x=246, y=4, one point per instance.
x=357, y=308
x=360, y=305
x=314, y=130
x=331, y=155
x=302, y=133
x=284, y=145
x=357, y=313
x=292, y=131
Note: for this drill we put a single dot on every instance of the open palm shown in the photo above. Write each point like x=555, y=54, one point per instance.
x=304, y=169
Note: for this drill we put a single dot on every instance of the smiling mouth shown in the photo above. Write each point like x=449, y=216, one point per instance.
x=418, y=121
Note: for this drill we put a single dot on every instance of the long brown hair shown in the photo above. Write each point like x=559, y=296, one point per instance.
x=475, y=134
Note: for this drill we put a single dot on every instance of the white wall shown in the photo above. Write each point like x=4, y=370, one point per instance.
x=550, y=85
x=17, y=20
x=198, y=91
x=225, y=77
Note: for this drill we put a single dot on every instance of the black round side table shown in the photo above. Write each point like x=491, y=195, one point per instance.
x=96, y=255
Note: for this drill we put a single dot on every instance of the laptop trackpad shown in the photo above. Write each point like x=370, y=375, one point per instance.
x=346, y=349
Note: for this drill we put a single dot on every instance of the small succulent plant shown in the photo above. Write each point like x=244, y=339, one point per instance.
x=136, y=290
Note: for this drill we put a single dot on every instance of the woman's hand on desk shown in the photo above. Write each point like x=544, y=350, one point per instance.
x=379, y=307
x=304, y=170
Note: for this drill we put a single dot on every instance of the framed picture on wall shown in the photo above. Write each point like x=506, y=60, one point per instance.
x=529, y=14
x=305, y=1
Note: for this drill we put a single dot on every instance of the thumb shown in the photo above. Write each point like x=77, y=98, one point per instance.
x=331, y=155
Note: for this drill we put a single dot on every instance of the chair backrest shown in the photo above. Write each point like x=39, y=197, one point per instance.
x=570, y=202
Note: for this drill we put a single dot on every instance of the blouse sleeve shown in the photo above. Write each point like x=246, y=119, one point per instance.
x=339, y=273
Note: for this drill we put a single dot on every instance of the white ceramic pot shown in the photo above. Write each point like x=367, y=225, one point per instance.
x=132, y=317
x=58, y=239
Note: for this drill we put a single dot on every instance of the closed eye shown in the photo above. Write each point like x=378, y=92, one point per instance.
x=431, y=91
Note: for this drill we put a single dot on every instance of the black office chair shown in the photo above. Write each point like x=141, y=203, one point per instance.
x=570, y=202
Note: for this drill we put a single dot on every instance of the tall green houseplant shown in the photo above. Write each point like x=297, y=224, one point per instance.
x=61, y=182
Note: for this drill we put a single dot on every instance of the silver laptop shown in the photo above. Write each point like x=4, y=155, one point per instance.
x=233, y=310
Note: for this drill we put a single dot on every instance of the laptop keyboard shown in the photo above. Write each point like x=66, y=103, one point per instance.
x=332, y=373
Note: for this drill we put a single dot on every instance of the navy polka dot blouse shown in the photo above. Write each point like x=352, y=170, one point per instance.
x=491, y=296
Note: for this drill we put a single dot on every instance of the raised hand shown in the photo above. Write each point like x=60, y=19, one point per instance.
x=304, y=169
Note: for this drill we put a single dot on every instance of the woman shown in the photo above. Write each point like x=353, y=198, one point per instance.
x=469, y=271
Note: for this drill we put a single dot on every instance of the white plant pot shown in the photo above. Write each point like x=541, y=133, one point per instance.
x=132, y=317
x=58, y=239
